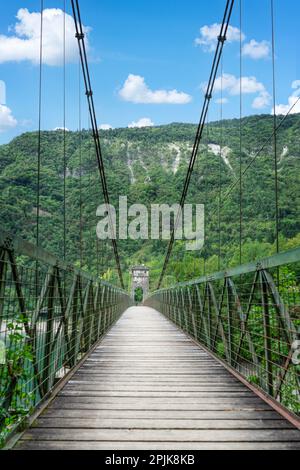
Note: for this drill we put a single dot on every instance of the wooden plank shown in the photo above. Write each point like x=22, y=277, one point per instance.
x=135, y=364
x=171, y=435
x=162, y=401
x=169, y=446
x=135, y=387
x=67, y=403
x=109, y=384
x=116, y=368
x=128, y=370
x=159, y=377
x=167, y=378
x=148, y=386
x=151, y=394
x=163, y=414
x=117, y=423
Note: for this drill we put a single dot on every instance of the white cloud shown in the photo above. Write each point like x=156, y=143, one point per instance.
x=143, y=122
x=296, y=86
x=7, y=120
x=209, y=36
x=24, y=43
x=262, y=100
x=2, y=92
x=293, y=102
x=248, y=85
x=105, y=127
x=135, y=90
x=256, y=50
x=232, y=84
x=222, y=101
x=283, y=109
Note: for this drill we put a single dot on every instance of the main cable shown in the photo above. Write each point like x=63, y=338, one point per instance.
x=80, y=35
x=208, y=96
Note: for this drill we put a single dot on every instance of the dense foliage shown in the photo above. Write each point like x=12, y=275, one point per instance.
x=149, y=166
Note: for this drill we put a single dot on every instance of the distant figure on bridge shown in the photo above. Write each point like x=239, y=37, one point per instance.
x=140, y=283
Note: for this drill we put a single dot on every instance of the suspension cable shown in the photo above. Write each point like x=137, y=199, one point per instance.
x=208, y=96
x=80, y=35
x=64, y=139
x=241, y=136
x=39, y=148
x=275, y=131
x=38, y=195
x=264, y=145
x=80, y=166
x=205, y=191
x=220, y=170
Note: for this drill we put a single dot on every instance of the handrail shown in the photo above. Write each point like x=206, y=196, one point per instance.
x=249, y=317
x=51, y=315
x=275, y=261
x=25, y=248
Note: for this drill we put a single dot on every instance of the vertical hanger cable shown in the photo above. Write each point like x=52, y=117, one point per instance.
x=241, y=141
x=275, y=131
x=39, y=148
x=64, y=139
x=38, y=193
x=80, y=167
x=220, y=169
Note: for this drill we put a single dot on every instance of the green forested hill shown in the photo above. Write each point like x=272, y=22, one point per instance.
x=149, y=166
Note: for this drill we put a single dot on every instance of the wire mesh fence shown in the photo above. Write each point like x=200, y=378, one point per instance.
x=250, y=318
x=51, y=315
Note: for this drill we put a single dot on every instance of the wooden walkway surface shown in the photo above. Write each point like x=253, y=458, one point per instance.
x=148, y=386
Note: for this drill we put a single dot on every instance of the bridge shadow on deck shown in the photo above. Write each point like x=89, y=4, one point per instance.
x=149, y=386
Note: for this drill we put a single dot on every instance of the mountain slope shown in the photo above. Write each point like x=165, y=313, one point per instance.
x=149, y=166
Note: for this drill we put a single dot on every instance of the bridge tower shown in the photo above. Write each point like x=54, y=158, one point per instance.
x=140, y=281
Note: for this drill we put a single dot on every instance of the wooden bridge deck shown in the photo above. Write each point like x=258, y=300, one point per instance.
x=148, y=386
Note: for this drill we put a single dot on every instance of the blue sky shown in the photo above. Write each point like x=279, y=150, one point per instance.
x=148, y=62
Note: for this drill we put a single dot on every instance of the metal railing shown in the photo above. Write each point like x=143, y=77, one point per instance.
x=51, y=315
x=249, y=317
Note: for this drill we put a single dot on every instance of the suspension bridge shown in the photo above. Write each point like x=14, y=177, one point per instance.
x=211, y=363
